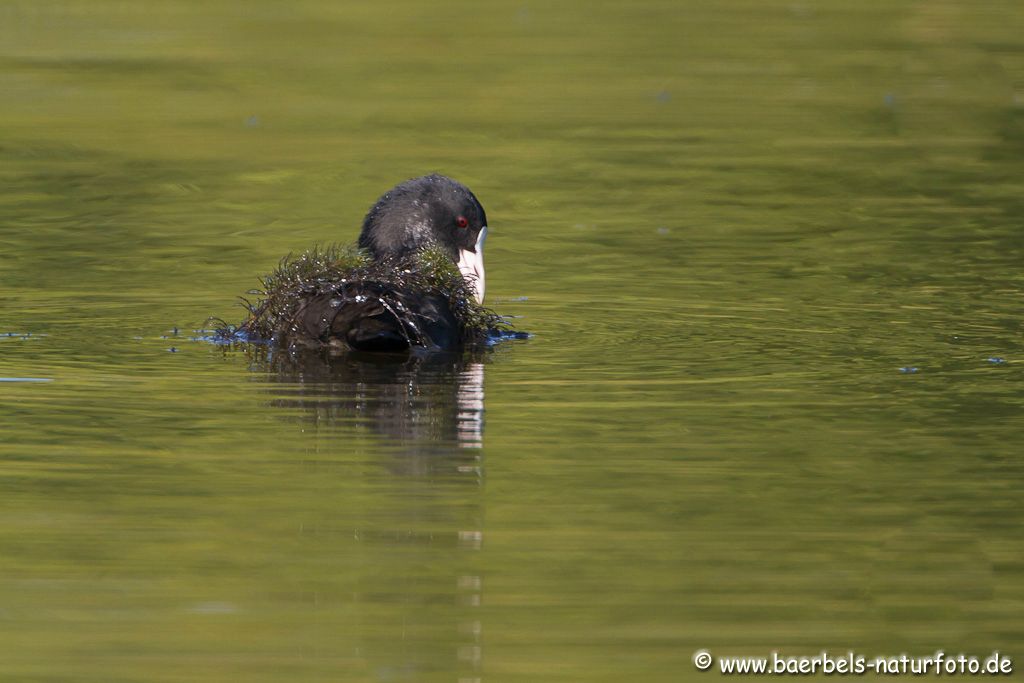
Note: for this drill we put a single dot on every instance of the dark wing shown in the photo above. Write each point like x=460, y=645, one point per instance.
x=375, y=316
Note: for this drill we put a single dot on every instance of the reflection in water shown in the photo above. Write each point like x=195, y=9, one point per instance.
x=426, y=404
x=430, y=410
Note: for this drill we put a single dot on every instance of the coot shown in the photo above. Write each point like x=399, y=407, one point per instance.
x=416, y=281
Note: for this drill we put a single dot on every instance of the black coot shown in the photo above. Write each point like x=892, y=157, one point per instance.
x=419, y=283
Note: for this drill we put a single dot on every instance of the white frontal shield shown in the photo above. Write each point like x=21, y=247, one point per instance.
x=471, y=265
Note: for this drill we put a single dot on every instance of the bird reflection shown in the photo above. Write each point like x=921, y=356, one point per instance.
x=425, y=406
x=420, y=542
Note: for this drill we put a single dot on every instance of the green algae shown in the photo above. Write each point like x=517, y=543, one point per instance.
x=284, y=292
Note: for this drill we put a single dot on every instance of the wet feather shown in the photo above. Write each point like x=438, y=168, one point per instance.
x=337, y=281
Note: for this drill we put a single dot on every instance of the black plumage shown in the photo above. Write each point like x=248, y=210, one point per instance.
x=415, y=282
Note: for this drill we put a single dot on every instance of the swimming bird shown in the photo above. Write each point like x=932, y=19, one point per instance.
x=419, y=283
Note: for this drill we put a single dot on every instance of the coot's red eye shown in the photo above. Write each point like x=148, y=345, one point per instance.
x=461, y=221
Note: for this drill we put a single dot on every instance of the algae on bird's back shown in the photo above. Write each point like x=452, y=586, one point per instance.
x=340, y=271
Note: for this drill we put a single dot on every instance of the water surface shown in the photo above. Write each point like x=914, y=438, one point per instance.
x=770, y=254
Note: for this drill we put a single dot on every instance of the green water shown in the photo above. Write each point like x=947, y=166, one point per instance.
x=728, y=224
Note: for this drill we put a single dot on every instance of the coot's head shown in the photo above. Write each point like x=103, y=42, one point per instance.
x=432, y=210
